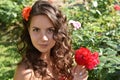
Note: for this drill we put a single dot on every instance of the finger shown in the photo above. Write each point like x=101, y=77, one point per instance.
x=78, y=68
x=80, y=73
x=84, y=75
x=83, y=71
x=81, y=77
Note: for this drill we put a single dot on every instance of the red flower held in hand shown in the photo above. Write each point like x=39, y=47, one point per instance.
x=117, y=7
x=26, y=13
x=83, y=56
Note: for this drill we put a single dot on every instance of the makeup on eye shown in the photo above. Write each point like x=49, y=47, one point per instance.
x=49, y=29
x=35, y=29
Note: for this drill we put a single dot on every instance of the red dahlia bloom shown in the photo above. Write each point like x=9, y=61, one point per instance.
x=84, y=57
x=92, y=61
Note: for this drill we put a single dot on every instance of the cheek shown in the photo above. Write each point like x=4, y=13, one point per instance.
x=33, y=38
x=52, y=41
x=52, y=44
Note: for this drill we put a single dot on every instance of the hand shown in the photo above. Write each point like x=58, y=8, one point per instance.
x=80, y=73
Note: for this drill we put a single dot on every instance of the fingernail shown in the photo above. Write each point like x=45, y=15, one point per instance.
x=80, y=73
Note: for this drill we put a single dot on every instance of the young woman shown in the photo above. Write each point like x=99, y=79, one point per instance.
x=45, y=46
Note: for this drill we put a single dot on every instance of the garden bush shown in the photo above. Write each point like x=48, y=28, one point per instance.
x=10, y=28
x=8, y=61
x=10, y=19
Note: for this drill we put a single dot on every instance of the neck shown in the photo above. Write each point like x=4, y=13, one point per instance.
x=45, y=57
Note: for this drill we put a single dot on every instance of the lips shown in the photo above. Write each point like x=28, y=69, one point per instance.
x=43, y=45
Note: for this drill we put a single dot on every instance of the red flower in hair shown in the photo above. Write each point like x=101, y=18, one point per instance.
x=83, y=56
x=117, y=7
x=26, y=13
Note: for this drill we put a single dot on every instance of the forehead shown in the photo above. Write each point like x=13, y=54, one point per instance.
x=41, y=20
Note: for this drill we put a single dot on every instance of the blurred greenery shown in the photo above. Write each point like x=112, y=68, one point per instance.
x=100, y=31
x=10, y=29
x=8, y=61
x=10, y=18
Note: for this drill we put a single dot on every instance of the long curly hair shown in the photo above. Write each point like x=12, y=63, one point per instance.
x=61, y=53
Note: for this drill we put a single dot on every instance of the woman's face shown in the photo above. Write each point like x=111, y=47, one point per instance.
x=41, y=33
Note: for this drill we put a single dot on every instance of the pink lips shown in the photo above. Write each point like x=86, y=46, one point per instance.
x=43, y=45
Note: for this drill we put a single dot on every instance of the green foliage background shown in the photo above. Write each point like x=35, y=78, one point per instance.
x=10, y=29
x=100, y=31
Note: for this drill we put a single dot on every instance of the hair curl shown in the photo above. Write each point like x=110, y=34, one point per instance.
x=61, y=53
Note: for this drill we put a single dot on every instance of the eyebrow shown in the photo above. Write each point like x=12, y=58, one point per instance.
x=52, y=27
x=35, y=27
x=38, y=27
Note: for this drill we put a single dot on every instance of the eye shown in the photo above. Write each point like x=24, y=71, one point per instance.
x=51, y=30
x=36, y=29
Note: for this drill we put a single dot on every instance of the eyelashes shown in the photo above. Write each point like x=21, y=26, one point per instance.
x=51, y=30
x=48, y=30
x=36, y=29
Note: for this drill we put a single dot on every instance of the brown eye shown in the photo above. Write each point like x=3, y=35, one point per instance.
x=51, y=30
x=36, y=29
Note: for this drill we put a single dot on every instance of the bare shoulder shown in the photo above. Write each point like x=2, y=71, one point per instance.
x=21, y=73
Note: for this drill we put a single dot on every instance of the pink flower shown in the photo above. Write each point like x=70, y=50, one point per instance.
x=117, y=7
x=75, y=24
x=84, y=57
x=26, y=12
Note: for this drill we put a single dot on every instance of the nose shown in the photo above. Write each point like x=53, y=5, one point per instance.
x=44, y=37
